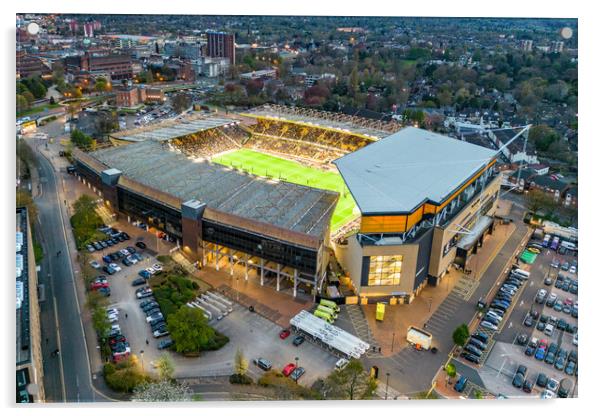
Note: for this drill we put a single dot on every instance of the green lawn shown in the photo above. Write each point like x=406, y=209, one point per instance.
x=261, y=164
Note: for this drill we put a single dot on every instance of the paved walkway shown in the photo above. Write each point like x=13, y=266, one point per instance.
x=276, y=306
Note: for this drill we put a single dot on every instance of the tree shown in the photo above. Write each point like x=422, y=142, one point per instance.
x=461, y=335
x=100, y=84
x=189, y=330
x=165, y=367
x=106, y=122
x=543, y=136
x=181, y=102
x=101, y=322
x=125, y=375
x=450, y=370
x=537, y=200
x=22, y=103
x=241, y=364
x=162, y=391
x=350, y=383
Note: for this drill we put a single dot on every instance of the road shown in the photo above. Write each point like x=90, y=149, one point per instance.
x=67, y=377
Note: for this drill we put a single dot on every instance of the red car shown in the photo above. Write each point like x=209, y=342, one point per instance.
x=98, y=285
x=285, y=333
x=288, y=369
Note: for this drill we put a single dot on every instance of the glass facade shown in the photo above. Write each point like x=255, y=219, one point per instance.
x=385, y=270
x=302, y=259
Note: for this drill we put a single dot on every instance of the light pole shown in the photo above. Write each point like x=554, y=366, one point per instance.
x=297, y=366
x=142, y=358
x=430, y=303
x=393, y=342
x=387, y=387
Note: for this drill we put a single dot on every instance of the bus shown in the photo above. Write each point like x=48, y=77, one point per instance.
x=554, y=244
x=327, y=310
x=330, y=304
x=324, y=316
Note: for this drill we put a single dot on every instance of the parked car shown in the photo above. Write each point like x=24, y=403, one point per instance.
x=470, y=357
x=141, y=245
x=298, y=340
x=115, y=266
x=105, y=291
x=158, y=267
x=138, y=281
x=460, y=384
x=166, y=343
x=263, y=363
x=541, y=295
x=547, y=281
x=552, y=385
x=145, y=274
x=522, y=339
x=284, y=334
x=160, y=332
x=127, y=262
x=528, y=386
x=297, y=373
x=542, y=380
x=551, y=300
x=288, y=369
x=489, y=325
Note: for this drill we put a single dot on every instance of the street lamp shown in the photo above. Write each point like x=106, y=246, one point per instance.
x=387, y=387
x=430, y=303
x=393, y=342
x=142, y=358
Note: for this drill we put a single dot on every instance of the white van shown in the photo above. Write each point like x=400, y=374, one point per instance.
x=522, y=273
x=548, y=330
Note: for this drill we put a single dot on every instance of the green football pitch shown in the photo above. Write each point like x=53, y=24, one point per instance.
x=261, y=164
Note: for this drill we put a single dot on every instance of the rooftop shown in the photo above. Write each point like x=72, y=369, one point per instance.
x=170, y=130
x=292, y=207
x=403, y=170
x=344, y=122
x=22, y=321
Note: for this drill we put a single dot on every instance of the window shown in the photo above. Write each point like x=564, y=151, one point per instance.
x=385, y=270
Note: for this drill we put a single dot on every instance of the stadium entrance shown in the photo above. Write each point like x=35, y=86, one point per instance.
x=264, y=272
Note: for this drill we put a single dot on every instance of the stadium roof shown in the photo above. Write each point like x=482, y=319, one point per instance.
x=320, y=120
x=167, y=131
x=292, y=207
x=400, y=172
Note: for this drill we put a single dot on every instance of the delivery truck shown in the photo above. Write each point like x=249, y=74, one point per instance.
x=419, y=338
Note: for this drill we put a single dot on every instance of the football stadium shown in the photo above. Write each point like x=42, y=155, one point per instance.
x=280, y=190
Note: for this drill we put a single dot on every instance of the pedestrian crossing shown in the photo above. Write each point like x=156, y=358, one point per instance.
x=465, y=287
